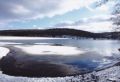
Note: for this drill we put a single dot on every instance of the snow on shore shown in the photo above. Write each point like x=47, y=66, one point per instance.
x=108, y=75
x=3, y=51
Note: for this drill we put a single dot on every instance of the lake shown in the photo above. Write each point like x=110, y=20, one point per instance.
x=79, y=54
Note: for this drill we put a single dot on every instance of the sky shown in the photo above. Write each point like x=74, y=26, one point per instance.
x=42, y=14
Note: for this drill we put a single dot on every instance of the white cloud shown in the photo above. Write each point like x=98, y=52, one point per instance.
x=97, y=27
x=103, y=8
x=100, y=23
x=33, y=9
x=34, y=25
x=90, y=8
x=19, y=9
x=93, y=27
x=15, y=10
x=96, y=18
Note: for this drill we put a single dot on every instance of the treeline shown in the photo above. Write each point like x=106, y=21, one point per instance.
x=59, y=32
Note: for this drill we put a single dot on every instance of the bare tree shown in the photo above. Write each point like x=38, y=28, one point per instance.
x=100, y=2
x=116, y=14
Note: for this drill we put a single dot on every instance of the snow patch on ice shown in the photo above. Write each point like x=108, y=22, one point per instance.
x=51, y=50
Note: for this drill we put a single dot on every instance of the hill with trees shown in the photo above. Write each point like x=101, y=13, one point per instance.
x=60, y=32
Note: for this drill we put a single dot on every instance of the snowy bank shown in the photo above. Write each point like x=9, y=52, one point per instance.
x=3, y=51
x=108, y=75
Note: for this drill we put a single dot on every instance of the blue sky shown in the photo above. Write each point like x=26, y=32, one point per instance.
x=40, y=14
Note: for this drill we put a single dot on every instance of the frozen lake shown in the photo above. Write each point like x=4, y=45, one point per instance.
x=82, y=54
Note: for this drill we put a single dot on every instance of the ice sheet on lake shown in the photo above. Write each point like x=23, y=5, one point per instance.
x=8, y=43
x=24, y=38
